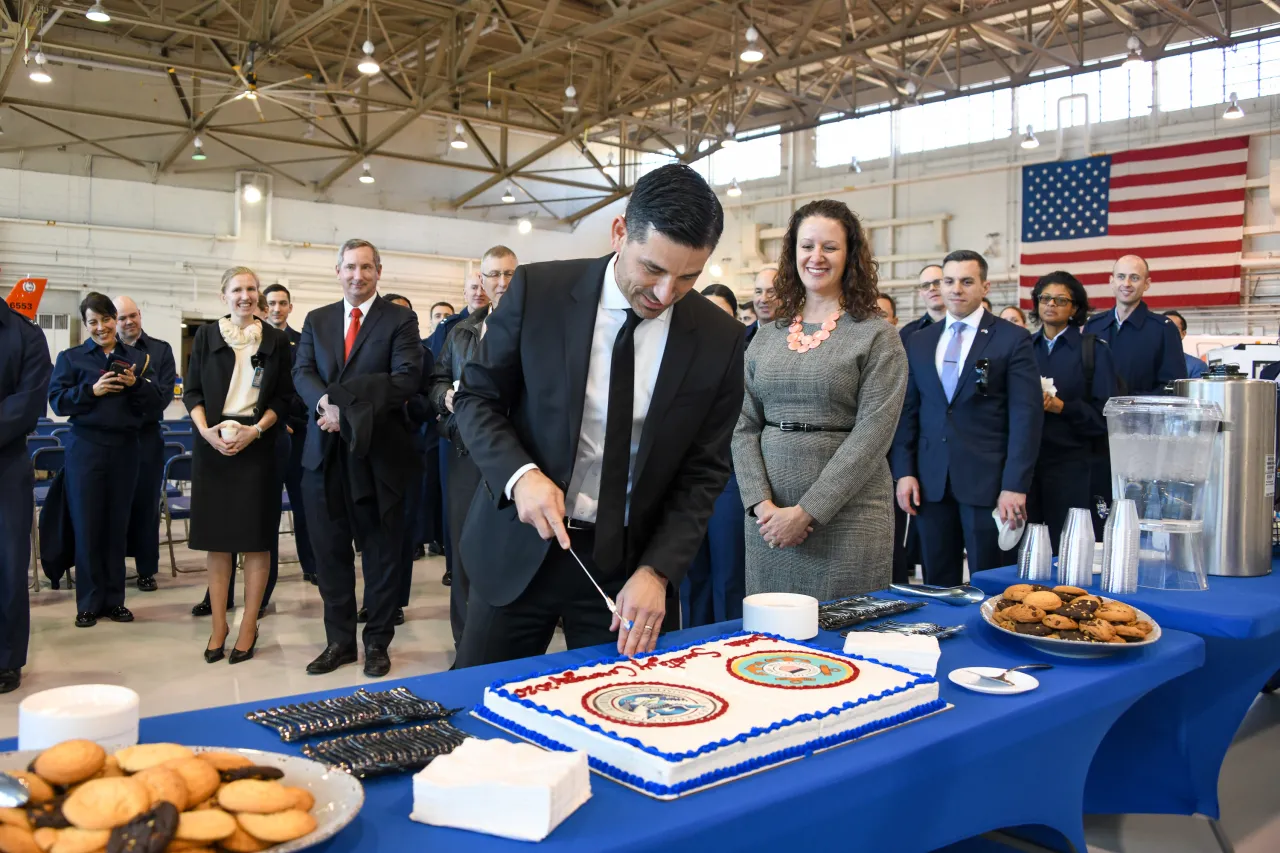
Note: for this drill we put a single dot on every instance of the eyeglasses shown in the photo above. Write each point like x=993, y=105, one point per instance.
x=496, y=274
x=1057, y=301
x=930, y=285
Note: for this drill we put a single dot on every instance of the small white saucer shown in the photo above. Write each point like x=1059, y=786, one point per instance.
x=967, y=677
x=1009, y=536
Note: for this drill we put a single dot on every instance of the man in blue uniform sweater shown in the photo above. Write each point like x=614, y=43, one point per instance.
x=24, y=380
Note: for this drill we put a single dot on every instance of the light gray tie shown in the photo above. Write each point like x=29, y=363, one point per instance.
x=951, y=361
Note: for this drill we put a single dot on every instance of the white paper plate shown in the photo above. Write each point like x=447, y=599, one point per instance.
x=969, y=678
x=339, y=796
x=1009, y=537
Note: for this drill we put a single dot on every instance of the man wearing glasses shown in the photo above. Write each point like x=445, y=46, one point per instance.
x=460, y=475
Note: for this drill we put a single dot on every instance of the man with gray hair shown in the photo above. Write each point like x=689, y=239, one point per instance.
x=144, y=515
x=358, y=363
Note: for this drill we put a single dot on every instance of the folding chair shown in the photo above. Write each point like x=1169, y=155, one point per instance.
x=59, y=432
x=35, y=442
x=186, y=439
x=177, y=471
x=47, y=428
x=49, y=460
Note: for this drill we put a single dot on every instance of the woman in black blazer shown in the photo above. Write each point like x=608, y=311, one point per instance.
x=238, y=387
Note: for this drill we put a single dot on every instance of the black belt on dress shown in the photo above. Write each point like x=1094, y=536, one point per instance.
x=796, y=426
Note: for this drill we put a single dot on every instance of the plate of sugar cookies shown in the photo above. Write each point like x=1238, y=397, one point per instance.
x=169, y=798
x=1069, y=621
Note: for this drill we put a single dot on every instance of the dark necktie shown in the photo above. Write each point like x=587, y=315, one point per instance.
x=611, y=510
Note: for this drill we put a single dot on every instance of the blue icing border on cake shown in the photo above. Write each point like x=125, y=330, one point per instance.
x=723, y=773
x=498, y=688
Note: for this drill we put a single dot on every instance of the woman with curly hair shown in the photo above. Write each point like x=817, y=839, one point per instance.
x=824, y=388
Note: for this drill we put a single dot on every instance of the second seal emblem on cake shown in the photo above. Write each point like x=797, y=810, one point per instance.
x=792, y=670
x=649, y=703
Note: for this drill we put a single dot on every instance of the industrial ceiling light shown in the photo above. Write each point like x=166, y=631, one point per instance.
x=459, y=141
x=1134, y=57
x=251, y=193
x=730, y=135
x=1233, y=110
x=1029, y=140
x=734, y=190
x=39, y=74
x=752, y=51
x=97, y=14
x=508, y=197
x=525, y=226
x=855, y=166
x=198, y=154
x=570, y=99
x=716, y=271
x=366, y=176
x=368, y=65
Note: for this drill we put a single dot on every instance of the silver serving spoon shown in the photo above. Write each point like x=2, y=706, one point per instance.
x=956, y=595
x=1003, y=677
x=13, y=792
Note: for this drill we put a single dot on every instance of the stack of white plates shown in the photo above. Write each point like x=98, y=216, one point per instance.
x=104, y=713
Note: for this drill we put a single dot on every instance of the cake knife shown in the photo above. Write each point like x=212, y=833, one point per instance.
x=613, y=607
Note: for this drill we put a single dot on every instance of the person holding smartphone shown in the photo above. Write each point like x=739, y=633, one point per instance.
x=106, y=389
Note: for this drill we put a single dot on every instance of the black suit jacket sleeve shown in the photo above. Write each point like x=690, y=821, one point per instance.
x=283, y=400
x=306, y=376
x=902, y=455
x=193, y=382
x=1026, y=417
x=419, y=408
x=22, y=405
x=387, y=391
x=491, y=386
x=704, y=471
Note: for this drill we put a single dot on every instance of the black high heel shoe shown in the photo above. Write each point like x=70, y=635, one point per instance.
x=238, y=656
x=215, y=655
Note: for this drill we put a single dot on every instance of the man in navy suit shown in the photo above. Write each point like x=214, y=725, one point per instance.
x=358, y=363
x=970, y=429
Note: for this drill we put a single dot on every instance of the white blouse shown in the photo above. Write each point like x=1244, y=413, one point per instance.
x=242, y=397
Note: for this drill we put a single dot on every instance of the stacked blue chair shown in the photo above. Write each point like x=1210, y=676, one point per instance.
x=177, y=507
x=36, y=442
x=50, y=461
x=186, y=439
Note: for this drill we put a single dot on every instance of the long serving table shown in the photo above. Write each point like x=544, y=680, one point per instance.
x=1175, y=738
x=973, y=769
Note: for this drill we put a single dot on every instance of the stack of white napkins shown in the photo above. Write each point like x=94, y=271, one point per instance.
x=916, y=653
x=515, y=790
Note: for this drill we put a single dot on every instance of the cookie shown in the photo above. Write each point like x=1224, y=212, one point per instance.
x=1035, y=629
x=15, y=840
x=48, y=815
x=149, y=832
x=70, y=762
x=1004, y=604
x=1060, y=623
x=253, y=771
x=165, y=785
x=224, y=760
x=1095, y=599
x=255, y=796
x=1018, y=591
x=200, y=776
x=1066, y=593
x=38, y=790
x=106, y=803
x=1077, y=635
x=242, y=842
x=1027, y=613
x=137, y=758
x=1098, y=629
x=1144, y=626
x=1078, y=609
x=275, y=828
x=72, y=840
x=177, y=845
x=111, y=768
x=207, y=825
x=45, y=837
x=1130, y=633
x=1044, y=600
x=15, y=817
x=1118, y=612
x=303, y=800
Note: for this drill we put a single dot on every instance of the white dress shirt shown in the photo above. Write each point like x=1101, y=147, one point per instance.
x=364, y=313
x=650, y=343
x=973, y=322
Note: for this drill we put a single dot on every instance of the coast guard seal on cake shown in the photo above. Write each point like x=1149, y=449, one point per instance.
x=689, y=717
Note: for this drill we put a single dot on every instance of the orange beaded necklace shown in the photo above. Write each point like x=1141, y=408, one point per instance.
x=798, y=341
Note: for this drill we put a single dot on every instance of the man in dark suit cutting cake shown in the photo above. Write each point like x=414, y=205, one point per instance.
x=599, y=411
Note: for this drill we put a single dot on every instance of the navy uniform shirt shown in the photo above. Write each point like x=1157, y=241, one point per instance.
x=1195, y=367
x=1146, y=348
x=24, y=378
x=915, y=326
x=113, y=418
x=436, y=342
x=165, y=376
x=1081, y=420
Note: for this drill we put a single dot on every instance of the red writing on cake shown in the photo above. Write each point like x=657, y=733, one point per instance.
x=678, y=661
x=746, y=641
x=555, y=682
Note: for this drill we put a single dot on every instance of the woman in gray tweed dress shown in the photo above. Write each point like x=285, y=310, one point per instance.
x=820, y=501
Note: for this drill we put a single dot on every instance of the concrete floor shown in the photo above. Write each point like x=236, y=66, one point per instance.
x=159, y=656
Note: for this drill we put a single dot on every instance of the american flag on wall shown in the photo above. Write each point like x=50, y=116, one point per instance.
x=1179, y=206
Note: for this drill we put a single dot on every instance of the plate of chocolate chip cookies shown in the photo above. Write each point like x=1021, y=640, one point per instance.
x=169, y=798
x=1069, y=621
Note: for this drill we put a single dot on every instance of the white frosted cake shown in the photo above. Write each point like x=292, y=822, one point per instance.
x=706, y=712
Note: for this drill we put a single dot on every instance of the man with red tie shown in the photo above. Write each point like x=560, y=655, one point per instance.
x=357, y=364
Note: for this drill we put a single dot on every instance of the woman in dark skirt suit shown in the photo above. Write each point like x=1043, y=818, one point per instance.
x=238, y=387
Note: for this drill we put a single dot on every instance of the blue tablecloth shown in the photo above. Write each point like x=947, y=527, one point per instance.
x=868, y=795
x=1175, y=738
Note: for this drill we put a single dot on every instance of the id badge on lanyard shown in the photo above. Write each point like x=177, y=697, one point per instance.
x=257, y=377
